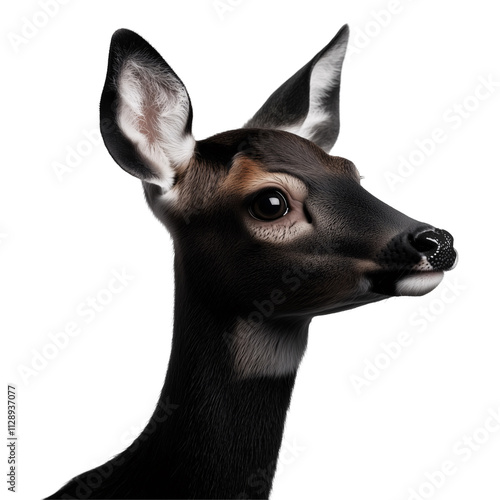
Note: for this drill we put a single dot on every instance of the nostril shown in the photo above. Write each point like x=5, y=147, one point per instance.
x=436, y=245
x=425, y=242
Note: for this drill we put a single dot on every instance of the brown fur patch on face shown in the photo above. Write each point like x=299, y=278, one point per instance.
x=193, y=192
x=247, y=176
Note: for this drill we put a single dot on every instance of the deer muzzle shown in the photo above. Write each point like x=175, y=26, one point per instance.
x=413, y=263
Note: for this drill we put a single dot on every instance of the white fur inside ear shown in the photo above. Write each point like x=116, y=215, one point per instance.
x=324, y=77
x=153, y=111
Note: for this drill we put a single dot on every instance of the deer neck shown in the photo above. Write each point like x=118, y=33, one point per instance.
x=223, y=433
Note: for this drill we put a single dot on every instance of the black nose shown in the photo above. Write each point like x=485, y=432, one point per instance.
x=424, y=248
x=436, y=245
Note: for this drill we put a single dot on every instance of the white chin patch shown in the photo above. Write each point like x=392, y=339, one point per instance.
x=419, y=284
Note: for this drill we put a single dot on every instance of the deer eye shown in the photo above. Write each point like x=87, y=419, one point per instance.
x=269, y=204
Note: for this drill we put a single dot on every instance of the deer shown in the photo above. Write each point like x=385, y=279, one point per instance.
x=269, y=231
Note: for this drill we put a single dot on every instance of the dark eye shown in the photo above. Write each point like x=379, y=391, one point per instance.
x=268, y=205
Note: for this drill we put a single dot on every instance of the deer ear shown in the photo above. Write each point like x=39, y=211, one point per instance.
x=307, y=104
x=146, y=112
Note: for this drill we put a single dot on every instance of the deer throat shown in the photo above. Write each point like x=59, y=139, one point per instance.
x=271, y=349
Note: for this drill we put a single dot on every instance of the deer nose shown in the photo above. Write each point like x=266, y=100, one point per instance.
x=436, y=245
x=422, y=248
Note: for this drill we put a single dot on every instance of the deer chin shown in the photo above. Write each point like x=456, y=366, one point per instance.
x=418, y=283
x=409, y=283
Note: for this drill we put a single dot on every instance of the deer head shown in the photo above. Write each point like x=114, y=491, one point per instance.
x=268, y=228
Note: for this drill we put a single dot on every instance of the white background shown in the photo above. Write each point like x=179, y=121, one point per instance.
x=62, y=238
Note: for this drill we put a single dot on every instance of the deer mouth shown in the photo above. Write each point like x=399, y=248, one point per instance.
x=405, y=283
